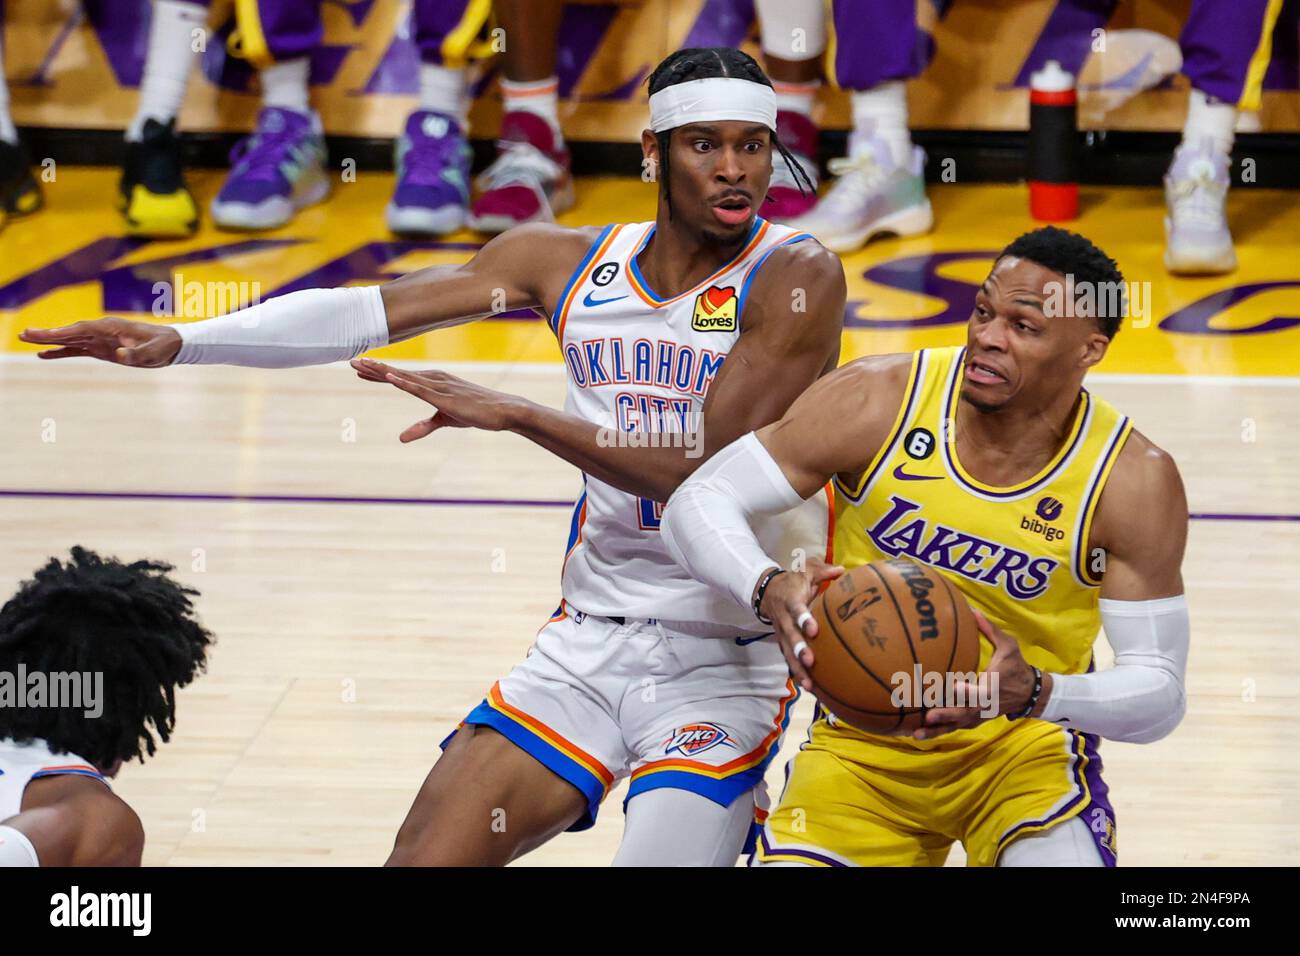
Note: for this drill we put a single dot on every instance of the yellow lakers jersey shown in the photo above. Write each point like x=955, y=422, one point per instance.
x=1017, y=553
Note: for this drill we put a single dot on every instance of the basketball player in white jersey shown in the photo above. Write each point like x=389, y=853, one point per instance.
x=125, y=636
x=641, y=671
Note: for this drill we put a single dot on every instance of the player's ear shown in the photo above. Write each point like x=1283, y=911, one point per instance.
x=1094, y=348
x=649, y=155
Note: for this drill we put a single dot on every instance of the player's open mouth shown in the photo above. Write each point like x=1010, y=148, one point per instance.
x=733, y=210
x=982, y=374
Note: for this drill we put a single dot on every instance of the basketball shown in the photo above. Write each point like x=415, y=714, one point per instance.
x=875, y=624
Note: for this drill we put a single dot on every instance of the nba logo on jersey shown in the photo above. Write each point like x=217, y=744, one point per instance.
x=715, y=310
x=694, y=739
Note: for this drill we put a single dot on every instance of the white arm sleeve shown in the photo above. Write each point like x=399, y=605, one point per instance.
x=16, y=849
x=310, y=327
x=1141, y=698
x=706, y=521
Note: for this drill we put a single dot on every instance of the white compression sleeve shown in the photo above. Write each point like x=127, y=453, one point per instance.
x=1141, y=698
x=706, y=521
x=669, y=827
x=16, y=849
x=311, y=327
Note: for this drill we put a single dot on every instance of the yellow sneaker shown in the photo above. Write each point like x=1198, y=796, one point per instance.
x=153, y=195
x=20, y=194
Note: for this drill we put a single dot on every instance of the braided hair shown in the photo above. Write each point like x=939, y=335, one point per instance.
x=703, y=63
x=129, y=622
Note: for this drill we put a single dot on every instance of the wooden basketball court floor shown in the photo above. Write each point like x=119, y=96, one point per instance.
x=366, y=594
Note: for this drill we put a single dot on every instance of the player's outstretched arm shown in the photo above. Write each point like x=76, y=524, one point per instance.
x=314, y=326
x=1141, y=531
x=792, y=320
x=791, y=331
x=834, y=428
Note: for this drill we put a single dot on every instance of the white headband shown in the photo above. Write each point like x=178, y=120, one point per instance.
x=711, y=100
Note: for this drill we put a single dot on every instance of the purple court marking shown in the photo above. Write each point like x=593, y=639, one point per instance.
x=1209, y=516
x=453, y=502
x=294, y=499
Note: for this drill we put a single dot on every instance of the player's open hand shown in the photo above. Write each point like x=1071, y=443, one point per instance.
x=786, y=602
x=141, y=344
x=1008, y=676
x=459, y=404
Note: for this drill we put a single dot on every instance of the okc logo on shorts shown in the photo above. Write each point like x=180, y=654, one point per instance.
x=694, y=739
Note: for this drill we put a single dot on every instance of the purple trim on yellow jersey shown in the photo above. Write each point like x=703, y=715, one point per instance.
x=1082, y=422
x=1082, y=526
x=916, y=378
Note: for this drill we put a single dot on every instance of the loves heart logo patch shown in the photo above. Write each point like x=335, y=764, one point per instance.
x=715, y=310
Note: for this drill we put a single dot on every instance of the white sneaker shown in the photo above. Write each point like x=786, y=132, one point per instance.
x=1197, y=240
x=871, y=197
x=1133, y=62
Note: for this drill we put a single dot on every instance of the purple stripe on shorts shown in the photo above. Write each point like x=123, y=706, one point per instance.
x=1098, y=815
x=790, y=851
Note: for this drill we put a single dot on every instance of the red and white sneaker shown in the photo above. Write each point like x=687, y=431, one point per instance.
x=785, y=200
x=529, y=181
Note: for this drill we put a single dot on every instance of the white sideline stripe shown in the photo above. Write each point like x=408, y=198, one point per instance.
x=1265, y=381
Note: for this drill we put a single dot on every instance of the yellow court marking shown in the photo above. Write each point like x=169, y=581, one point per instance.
x=72, y=261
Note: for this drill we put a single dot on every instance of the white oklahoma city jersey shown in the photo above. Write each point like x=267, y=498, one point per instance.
x=641, y=365
x=20, y=764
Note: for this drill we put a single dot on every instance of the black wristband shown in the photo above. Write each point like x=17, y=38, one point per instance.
x=760, y=591
x=1033, y=698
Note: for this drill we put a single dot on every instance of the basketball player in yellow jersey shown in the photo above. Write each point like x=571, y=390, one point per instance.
x=995, y=467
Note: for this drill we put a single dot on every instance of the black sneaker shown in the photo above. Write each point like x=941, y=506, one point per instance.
x=19, y=191
x=154, y=198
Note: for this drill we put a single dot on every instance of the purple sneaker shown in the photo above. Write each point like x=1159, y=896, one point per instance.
x=432, y=160
x=274, y=172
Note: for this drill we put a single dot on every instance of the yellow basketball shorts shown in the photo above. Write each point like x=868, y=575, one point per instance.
x=854, y=799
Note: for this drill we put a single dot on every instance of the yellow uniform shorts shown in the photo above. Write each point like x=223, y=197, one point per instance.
x=860, y=799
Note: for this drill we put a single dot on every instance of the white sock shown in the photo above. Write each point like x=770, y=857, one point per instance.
x=792, y=29
x=882, y=112
x=285, y=85
x=540, y=97
x=7, y=131
x=1208, y=118
x=796, y=97
x=167, y=66
x=443, y=90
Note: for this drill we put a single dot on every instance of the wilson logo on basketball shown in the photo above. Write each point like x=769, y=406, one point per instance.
x=920, y=586
x=694, y=739
x=715, y=310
